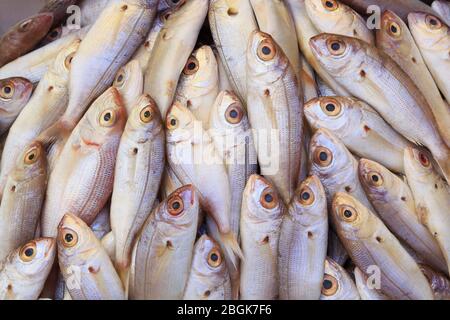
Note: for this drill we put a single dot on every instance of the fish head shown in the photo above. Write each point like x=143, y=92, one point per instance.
x=309, y=197
x=35, y=257
x=180, y=122
x=37, y=24
x=145, y=118
x=375, y=179
x=329, y=11
x=265, y=59
x=75, y=238
x=63, y=61
x=129, y=80
x=228, y=112
x=166, y=4
x=429, y=31
x=418, y=162
x=31, y=163
x=333, y=284
x=52, y=35
x=210, y=259
x=393, y=30
x=328, y=112
x=14, y=91
x=339, y=55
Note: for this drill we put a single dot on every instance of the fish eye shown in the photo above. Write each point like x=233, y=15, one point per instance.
x=7, y=91
x=32, y=155
x=433, y=22
x=120, y=79
x=191, y=66
x=55, y=33
x=331, y=107
x=214, y=258
x=306, y=196
x=329, y=285
x=28, y=252
x=375, y=179
x=394, y=29
x=24, y=26
x=175, y=206
x=424, y=160
x=68, y=238
x=147, y=114
x=330, y=5
x=234, y=114
x=108, y=118
x=323, y=157
x=68, y=60
x=336, y=47
x=269, y=198
x=348, y=214
x=172, y=123
x=266, y=50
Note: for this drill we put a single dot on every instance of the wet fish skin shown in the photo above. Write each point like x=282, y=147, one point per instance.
x=208, y=278
x=303, y=240
x=23, y=277
x=443, y=9
x=129, y=82
x=370, y=243
x=102, y=225
x=440, y=284
x=163, y=252
x=14, y=95
x=394, y=202
x=359, y=127
x=85, y=167
x=337, y=283
x=357, y=65
x=23, y=36
x=91, y=10
x=87, y=270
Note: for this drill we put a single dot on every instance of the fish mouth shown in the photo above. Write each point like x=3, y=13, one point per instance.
x=90, y=143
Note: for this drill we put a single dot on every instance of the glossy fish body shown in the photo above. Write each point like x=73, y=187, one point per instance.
x=173, y=46
x=440, y=284
x=275, y=111
x=442, y=7
x=303, y=243
x=82, y=179
x=91, y=10
x=261, y=217
x=360, y=128
x=337, y=283
x=209, y=278
x=163, y=252
x=102, y=225
x=370, y=244
x=87, y=270
x=129, y=82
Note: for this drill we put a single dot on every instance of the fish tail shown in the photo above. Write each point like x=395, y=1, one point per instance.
x=231, y=247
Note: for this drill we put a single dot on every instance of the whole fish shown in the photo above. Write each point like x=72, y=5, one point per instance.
x=82, y=179
x=24, y=271
x=58, y=8
x=14, y=95
x=372, y=246
x=199, y=84
x=335, y=166
x=337, y=283
x=231, y=23
x=374, y=77
x=261, y=217
x=23, y=36
x=208, y=279
x=394, y=202
x=332, y=16
x=138, y=172
x=305, y=31
x=275, y=111
x=172, y=48
x=22, y=199
x=440, y=284
x=194, y=159
x=395, y=39
x=366, y=291
x=129, y=82
x=274, y=18
x=433, y=39
x=47, y=104
x=442, y=7
x=163, y=252
x=432, y=197
x=360, y=128
x=87, y=270
x=302, y=247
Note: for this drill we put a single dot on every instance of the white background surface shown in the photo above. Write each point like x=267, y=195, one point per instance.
x=12, y=11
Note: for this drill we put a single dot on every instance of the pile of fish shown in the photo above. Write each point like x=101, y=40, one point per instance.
x=226, y=149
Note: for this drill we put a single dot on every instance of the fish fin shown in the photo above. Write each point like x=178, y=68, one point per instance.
x=231, y=247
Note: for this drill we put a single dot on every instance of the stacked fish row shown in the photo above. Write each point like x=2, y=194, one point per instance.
x=226, y=149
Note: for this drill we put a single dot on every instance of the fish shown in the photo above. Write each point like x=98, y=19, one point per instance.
x=81, y=181
x=163, y=252
x=433, y=39
x=366, y=292
x=356, y=65
x=24, y=271
x=169, y=183
x=22, y=199
x=305, y=31
x=168, y=4
x=432, y=197
x=232, y=23
x=139, y=168
x=208, y=278
x=33, y=65
x=440, y=284
x=336, y=250
x=274, y=18
x=194, y=159
x=58, y=8
x=224, y=82
x=442, y=8
x=332, y=16
x=275, y=109
x=55, y=34
x=91, y=10
x=15, y=93
x=87, y=270
x=102, y=225
x=198, y=86
x=375, y=250
x=47, y=104
x=363, y=131
x=129, y=82
x=172, y=48
x=394, y=202
x=395, y=39
x=303, y=243
x=335, y=166
x=261, y=217
x=308, y=81
x=337, y=283
x=23, y=36
x=324, y=89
